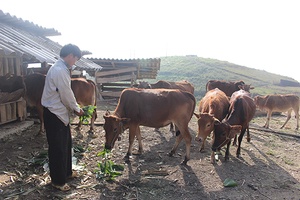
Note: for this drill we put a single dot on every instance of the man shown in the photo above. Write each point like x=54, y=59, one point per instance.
x=58, y=101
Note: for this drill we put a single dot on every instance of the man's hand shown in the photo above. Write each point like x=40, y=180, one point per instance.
x=80, y=113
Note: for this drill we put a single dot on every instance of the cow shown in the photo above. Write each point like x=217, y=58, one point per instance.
x=228, y=87
x=181, y=85
x=280, y=103
x=241, y=111
x=11, y=83
x=214, y=105
x=84, y=92
x=152, y=108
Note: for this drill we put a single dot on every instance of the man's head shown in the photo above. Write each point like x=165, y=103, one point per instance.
x=70, y=53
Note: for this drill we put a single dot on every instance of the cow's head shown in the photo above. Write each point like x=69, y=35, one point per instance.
x=205, y=125
x=142, y=84
x=246, y=87
x=223, y=133
x=113, y=127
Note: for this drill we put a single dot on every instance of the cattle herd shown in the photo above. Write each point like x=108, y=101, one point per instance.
x=225, y=111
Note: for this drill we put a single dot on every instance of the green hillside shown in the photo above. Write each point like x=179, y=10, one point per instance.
x=200, y=70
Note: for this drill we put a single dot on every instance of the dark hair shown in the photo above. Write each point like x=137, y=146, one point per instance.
x=70, y=49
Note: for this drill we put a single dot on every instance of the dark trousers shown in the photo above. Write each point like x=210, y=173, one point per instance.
x=59, y=148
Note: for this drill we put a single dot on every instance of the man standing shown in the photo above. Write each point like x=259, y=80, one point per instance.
x=58, y=101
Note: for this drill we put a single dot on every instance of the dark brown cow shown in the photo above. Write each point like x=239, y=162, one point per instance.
x=152, y=108
x=181, y=85
x=228, y=87
x=10, y=83
x=84, y=92
x=241, y=112
x=214, y=105
x=280, y=103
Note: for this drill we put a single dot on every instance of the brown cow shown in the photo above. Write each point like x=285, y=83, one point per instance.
x=181, y=85
x=153, y=108
x=241, y=112
x=214, y=105
x=280, y=103
x=84, y=92
x=228, y=87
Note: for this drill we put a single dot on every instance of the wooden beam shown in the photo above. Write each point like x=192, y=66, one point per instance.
x=112, y=72
x=114, y=79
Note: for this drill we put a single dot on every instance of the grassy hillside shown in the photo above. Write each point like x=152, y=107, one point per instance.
x=200, y=70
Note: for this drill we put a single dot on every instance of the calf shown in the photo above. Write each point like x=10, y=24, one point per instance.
x=241, y=111
x=153, y=108
x=214, y=105
x=84, y=92
x=280, y=103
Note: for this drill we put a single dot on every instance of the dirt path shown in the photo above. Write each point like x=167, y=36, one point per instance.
x=269, y=167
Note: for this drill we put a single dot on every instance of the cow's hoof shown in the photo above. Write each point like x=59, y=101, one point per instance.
x=170, y=154
x=248, y=139
x=184, y=162
x=128, y=156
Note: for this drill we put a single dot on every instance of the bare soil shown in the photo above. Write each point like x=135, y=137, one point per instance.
x=269, y=166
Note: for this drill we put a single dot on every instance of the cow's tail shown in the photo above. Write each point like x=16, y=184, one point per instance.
x=194, y=102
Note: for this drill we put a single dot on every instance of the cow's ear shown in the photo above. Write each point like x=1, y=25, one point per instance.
x=216, y=121
x=234, y=130
x=107, y=113
x=197, y=115
x=125, y=120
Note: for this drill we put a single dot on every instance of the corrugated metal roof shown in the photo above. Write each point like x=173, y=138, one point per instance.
x=29, y=40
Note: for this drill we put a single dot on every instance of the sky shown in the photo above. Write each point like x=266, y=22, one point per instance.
x=260, y=34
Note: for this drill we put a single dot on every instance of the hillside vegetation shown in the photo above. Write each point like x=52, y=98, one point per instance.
x=200, y=70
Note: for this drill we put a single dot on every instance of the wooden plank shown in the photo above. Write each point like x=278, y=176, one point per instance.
x=1, y=66
x=114, y=79
x=2, y=114
x=8, y=112
x=117, y=71
x=110, y=94
x=5, y=66
x=18, y=66
x=11, y=66
x=21, y=109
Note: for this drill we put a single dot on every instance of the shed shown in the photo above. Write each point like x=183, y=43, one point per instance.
x=22, y=43
x=118, y=74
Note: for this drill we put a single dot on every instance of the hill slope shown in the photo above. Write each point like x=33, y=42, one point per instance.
x=200, y=70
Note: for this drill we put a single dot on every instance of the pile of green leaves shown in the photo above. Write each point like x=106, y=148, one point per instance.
x=87, y=115
x=39, y=159
x=108, y=170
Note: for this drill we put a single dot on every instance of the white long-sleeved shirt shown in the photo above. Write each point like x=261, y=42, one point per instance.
x=58, y=96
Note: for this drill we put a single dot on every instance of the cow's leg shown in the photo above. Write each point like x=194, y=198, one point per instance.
x=132, y=134
x=289, y=114
x=297, y=117
x=234, y=141
x=269, y=114
x=212, y=158
x=177, y=142
x=40, y=111
x=92, y=132
x=248, y=134
x=240, y=139
x=227, y=151
x=188, y=140
x=139, y=138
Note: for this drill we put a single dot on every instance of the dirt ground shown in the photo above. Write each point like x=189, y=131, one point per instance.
x=269, y=167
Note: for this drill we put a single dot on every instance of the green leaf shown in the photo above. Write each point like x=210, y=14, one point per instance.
x=229, y=183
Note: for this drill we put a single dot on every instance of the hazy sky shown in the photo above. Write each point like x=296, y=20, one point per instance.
x=261, y=34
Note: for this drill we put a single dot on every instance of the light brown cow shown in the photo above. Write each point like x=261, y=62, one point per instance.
x=152, y=108
x=84, y=92
x=280, y=103
x=241, y=111
x=228, y=87
x=181, y=85
x=214, y=105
